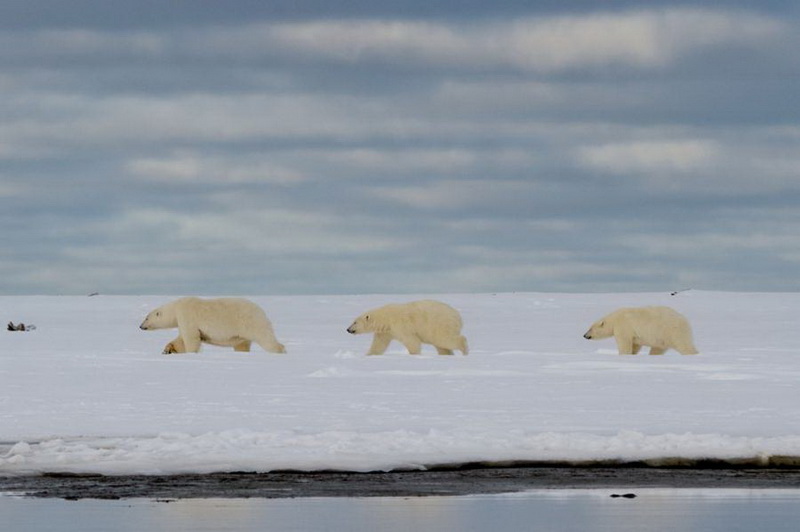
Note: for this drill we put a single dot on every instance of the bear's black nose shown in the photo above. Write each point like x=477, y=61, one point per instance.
x=587, y=336
x=350, y=330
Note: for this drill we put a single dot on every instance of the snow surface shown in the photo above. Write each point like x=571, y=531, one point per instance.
x=88, y=392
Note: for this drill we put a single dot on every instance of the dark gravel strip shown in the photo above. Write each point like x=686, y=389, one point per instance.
x=464, y=481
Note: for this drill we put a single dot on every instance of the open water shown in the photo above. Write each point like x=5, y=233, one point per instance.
x=707, y=510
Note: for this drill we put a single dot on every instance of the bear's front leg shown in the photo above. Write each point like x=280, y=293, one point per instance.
x=380, y=341
x=624, y=344
x=190, y=336
x=190, y=339
x=657, y=350
x=175, y=346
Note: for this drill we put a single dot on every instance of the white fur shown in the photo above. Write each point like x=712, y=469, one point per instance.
x=229, y=322
x=661, y=328
x=413, y=324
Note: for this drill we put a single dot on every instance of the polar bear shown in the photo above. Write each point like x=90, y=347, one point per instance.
x=661, y=328
x=228, y=322
x=413, y=324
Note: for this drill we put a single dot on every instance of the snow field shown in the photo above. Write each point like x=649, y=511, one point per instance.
x=88, y=392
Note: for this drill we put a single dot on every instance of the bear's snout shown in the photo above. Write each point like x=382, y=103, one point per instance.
x=588, y=336
x=143, y=326
x=351, y=330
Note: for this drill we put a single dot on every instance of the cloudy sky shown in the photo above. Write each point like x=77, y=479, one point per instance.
x=309, y=147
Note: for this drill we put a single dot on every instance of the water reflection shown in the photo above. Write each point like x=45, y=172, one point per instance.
x=551, y=510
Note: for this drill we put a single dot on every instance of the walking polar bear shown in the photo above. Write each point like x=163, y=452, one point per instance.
x=228, y=322
x=661, y=328
x=412, y=324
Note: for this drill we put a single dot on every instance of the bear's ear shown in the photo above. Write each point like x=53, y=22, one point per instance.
x=602, y=323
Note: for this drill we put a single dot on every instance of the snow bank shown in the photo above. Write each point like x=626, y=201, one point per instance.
x=243, y=450
x=88, y=392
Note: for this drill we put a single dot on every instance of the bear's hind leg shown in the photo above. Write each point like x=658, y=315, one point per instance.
x=462, y=345
x=657, y=350
x=454, y=343
x=242, y=346
x=411, y=342
x=687, y=349
x=380, y=341
x=270, y=344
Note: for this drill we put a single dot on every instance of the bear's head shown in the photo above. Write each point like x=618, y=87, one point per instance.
x=599, y=330
x=160, y=318
x=362, y=324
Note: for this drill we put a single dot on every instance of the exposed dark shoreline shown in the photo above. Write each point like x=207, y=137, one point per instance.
x=461, y=481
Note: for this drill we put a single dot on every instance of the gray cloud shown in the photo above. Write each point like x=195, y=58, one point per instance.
x=366, y=151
